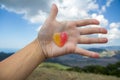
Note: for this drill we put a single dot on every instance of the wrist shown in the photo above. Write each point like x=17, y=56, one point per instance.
x=39, y=49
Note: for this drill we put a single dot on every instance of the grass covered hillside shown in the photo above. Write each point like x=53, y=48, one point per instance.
x=52, y=71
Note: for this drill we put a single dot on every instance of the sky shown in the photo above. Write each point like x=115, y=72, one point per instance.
x=20, y=20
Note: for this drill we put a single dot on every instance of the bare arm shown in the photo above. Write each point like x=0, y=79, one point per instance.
x=22, y=63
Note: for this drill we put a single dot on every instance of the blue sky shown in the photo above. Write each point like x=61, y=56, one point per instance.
x=113, y=12
x=15, y=31
x=20, y=21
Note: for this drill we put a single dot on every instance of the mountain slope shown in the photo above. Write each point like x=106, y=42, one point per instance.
x=58, y=73
x=4, y=55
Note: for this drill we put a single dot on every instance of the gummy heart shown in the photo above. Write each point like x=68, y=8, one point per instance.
x=60, y=38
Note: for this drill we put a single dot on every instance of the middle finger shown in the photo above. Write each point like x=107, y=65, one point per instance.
x=93, y=30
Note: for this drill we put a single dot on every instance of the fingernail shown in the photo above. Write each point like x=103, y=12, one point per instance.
x=105, y=39
x=96, y=55
x=104, y=31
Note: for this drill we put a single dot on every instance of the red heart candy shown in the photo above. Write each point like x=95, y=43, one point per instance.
x=63, y=38
x=60, y=38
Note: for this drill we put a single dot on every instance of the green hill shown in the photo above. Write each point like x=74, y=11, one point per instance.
x=52, y=71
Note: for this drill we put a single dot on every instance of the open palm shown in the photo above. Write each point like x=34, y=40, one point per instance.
x=75, y=35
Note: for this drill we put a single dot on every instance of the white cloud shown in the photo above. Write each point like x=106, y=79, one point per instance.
x=103, y=8
x=36, y=11
x=115, y=25
x=113, y=32
x=103, y=21
x=109, y=2
x=39, y=18
x=74, y=9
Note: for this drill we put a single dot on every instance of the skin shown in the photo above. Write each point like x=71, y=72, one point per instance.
x=22, y=63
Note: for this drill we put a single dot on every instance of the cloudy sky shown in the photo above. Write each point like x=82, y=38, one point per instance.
x=20, y=20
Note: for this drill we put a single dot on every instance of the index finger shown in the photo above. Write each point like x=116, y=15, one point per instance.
x=86, y=22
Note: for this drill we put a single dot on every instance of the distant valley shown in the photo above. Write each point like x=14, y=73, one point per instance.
x=108, y=57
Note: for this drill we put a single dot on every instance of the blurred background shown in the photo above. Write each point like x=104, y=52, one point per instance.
x=20, y=21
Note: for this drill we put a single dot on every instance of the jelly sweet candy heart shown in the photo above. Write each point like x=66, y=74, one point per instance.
x=60, y=38
x=56, y=39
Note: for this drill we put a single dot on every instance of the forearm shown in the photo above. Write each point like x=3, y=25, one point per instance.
x=22, y=63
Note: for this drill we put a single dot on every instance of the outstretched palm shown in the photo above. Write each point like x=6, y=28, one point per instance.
x=75, y=36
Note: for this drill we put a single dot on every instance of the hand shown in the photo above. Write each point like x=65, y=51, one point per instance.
x=75, y=36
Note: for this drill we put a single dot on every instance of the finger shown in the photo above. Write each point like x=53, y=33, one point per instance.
x=86, y=22
x=84, y=31
x=53, y=12
x=86, y=40
x=86, y=53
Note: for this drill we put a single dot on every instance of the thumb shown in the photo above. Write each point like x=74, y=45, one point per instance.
x=53, y=12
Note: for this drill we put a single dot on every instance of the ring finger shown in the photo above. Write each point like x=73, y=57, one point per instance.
x=86, y=40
